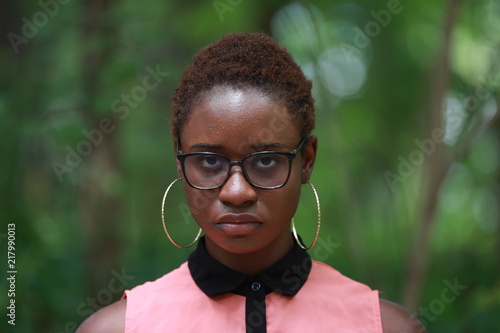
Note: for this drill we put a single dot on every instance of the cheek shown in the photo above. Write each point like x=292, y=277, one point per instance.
x=283, y=203
x=293, y=191
x=199, y=202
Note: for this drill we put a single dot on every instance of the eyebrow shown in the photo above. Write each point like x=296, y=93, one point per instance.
x=205, y=145
x=257, y=146
x=268, y=145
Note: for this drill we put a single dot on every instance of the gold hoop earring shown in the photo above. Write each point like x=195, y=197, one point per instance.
x=318, y=207
x=163, y=219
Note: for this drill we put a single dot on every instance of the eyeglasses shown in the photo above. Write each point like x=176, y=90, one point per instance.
x=265, y=169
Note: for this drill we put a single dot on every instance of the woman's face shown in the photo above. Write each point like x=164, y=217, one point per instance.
x=238, y=217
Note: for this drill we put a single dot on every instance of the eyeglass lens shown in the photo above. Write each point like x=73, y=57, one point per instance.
x=264, y=170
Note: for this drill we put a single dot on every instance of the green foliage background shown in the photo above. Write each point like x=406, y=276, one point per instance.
x=385, y=199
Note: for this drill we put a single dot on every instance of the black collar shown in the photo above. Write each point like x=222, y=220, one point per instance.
x=286, y=276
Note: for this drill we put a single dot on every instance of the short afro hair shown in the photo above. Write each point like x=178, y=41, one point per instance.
x=245, y=60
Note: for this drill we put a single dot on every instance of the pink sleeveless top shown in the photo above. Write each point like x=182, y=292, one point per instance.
x=327, y=302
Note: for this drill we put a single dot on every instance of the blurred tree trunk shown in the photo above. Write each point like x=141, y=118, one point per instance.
x=99, y=202
x=436, y=166
x=9, y=10
x=496, y=129
x=7, y=22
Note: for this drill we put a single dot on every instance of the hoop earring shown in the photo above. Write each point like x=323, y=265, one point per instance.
x=318, y=225
x=163, y=219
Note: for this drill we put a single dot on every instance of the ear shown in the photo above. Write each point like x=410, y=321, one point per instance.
x=177, y=163
x=309, y=157
x=178, y=167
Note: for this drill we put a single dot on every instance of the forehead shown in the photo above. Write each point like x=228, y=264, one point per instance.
x=226, y=115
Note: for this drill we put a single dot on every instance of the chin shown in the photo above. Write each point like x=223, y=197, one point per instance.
x=239, y=244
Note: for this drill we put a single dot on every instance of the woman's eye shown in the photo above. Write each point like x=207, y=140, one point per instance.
x=210, y=161
x=266, y=162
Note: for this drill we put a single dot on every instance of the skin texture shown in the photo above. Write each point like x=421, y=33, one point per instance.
x=397, y=319
x=235, y=123
x=110, y=319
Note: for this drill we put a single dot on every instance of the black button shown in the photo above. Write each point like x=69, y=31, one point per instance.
x=256, y=286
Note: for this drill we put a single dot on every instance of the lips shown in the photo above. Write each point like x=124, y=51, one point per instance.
x=238, y=224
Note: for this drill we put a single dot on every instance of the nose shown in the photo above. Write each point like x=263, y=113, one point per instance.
x=237, y=191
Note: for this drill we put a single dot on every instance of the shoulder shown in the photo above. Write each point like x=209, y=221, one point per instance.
x=324, y=275
x=396, y=319
x=110, y=319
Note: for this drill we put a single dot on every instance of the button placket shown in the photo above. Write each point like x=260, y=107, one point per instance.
x=255, y=308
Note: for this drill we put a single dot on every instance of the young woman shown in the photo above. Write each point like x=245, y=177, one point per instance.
x=242, y=120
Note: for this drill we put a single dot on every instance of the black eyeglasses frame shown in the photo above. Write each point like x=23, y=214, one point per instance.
x=290, y=155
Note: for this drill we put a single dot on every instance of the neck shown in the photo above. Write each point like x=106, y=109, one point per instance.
x=255, y=262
